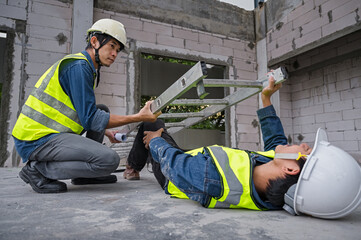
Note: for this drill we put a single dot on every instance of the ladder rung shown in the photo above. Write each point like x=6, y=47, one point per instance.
x=231, y=83
x=174, y=124
x=199, y=102
x=182, y=115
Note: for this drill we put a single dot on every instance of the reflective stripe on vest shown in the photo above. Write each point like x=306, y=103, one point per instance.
x=48, y=109
x=229, y=179
x=234, y=167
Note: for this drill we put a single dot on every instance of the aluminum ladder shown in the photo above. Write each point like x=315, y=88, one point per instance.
x=196, y=77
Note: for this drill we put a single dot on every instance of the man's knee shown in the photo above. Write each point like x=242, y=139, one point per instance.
x=114, y=159
x=109, y=160
x=153, y=126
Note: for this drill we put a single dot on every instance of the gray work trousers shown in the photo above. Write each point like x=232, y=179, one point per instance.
x=68, y=156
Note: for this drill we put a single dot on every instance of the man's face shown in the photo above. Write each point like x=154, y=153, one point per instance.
x=109, y=52
x=303, y=148
x=290, y=166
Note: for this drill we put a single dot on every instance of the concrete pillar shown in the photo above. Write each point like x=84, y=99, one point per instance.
x=82, y=21
x=261, y=50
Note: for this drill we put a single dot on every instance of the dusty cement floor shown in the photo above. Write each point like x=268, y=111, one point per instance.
x=140, y=210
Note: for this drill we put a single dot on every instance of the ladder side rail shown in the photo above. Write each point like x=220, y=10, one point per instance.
x=196, y=102
x=231, y=83
x=174, y=124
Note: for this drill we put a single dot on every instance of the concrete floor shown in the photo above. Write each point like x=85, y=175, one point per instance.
x=141, y=210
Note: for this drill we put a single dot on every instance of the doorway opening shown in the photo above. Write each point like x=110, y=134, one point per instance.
x=6, y=50
x=3, y=36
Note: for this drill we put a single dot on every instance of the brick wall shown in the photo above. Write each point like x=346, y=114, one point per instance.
x=324, y=91
x=319, y=42
x=308, y=23
x=49, y=37
x=328, y=97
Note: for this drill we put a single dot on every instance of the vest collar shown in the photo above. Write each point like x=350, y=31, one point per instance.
x=86, y=54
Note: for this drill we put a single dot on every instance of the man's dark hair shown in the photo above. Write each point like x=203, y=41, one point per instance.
x=102, y=38
x=277, y=188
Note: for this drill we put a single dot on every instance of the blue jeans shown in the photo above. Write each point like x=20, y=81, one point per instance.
x=139, y=155
x=196, y=176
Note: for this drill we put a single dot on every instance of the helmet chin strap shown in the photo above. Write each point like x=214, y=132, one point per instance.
x=97, y=59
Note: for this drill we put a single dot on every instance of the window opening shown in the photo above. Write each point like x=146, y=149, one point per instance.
x=157, y=77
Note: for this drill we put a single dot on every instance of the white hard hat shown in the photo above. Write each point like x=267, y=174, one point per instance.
x=112, y=28
x=329, y=185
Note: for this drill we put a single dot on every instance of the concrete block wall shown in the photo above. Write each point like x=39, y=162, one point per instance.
x=286, y=108
x=112, y=88
x=49, y=37
x=12, y=10
x=248, y=125
x=328, y=97
x=320, y=44
x=309, y=23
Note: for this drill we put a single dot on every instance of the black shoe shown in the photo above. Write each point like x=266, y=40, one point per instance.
x=39, y=183
x=97, y=180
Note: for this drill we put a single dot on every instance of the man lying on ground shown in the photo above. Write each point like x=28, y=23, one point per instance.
x=221, y=177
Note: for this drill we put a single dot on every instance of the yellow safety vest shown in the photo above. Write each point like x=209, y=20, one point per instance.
x=234, y=167
x=48, y=108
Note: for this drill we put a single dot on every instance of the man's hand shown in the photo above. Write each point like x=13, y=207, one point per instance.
x=111, y=135
x=149, y=135
x=268, y=91
x=146, y=115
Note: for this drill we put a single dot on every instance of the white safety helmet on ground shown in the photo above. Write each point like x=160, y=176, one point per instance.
x=112, y=28
x=329, y=185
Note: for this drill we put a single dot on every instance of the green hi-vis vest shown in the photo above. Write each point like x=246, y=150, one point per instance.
x=234, y=167
x=48, y=108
